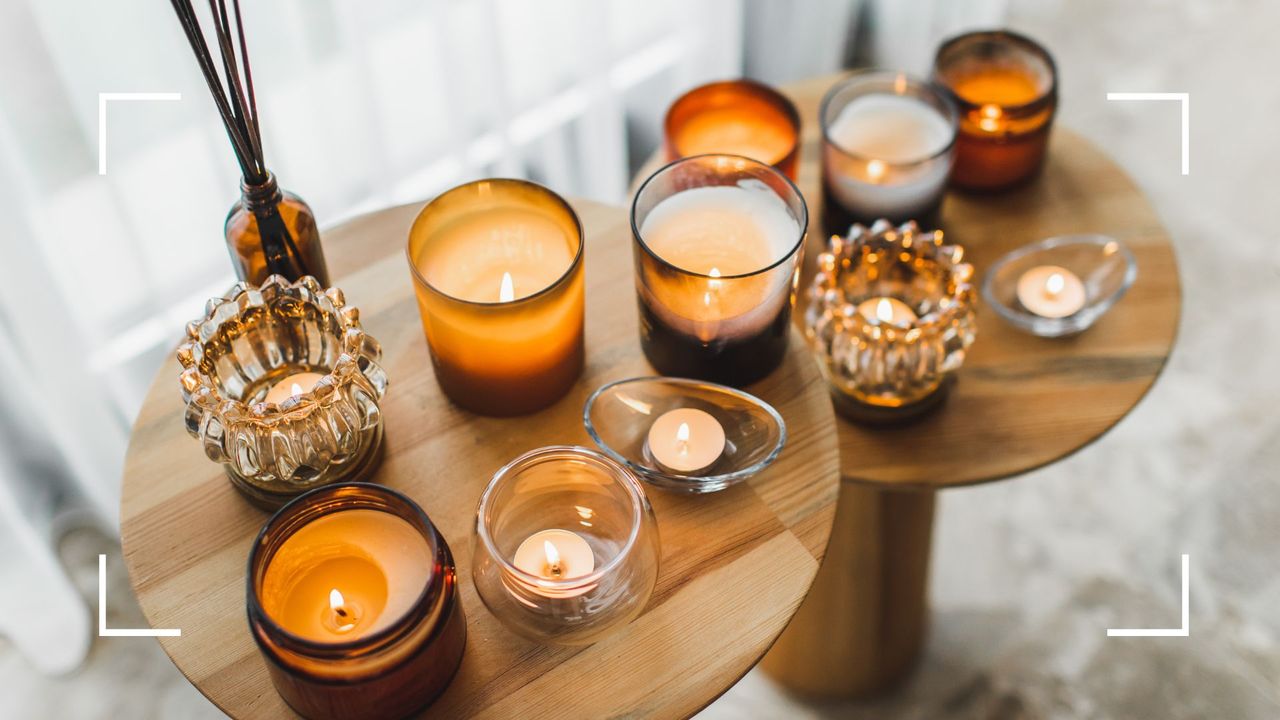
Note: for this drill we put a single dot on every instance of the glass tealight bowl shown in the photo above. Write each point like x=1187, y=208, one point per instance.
x=890, y=369
x=618, y=417
x=254, y=338
x=1104, y=265
x=566, y=546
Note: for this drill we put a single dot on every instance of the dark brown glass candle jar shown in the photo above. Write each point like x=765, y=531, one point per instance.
x=735, y=117
x=353, y=601
x=1006, y=88
x=273, y=232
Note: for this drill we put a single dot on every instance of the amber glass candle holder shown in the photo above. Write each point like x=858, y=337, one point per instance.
x=270, y=231
x=735, y=117
x=497, y=269
x=1006, y=87
x=353, y=602
x=718, y=242
x=282, y=387
x=566, y=546
x=891, y=315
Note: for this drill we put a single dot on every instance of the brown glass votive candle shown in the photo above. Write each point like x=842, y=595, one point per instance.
x=735, y=117
x=1006, y=88
x=497, y=270
x=353, y=602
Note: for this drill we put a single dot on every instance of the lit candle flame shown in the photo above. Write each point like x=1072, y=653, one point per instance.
x=884, y=311
x=294, y=391
x=507, y=292
x=553, y=558
x=1054, y=284
x=876, y=170
x=990, y=117
x=682, y=438
x=712, y=285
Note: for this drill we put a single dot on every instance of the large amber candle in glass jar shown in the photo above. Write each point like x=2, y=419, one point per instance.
x=735, y=117
x=353, y=602
x=1006, y=88
x=497, y=269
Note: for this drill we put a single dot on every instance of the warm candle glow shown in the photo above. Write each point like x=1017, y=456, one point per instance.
x=673, y=446
x=884, y=310
x=1051, y=291
x=335, y=601
x=990, y=120
x=1054, y=284
x=875, y=171
x=507, y=291
x=553, y=558
x=682, y=437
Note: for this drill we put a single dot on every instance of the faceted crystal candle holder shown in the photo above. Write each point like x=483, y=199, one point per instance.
x=250, y=340
x=879, y=371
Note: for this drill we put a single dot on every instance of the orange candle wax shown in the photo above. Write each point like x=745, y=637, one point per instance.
x=736, y=117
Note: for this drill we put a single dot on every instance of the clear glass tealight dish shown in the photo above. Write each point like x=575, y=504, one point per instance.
x=628, y=418
x=282, y=387
x=1101, y=267
x=890, y=316
x=566, y=546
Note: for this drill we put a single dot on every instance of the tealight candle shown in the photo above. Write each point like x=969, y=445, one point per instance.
x=497, y=268
x=735, y=117
x=686, y=440
x=1005, y=86
x=717, y=244
x=1051, y=291
x=292, y=386
x=887, y=311
x=353, y=600
x=555, y=555
x=887, y=150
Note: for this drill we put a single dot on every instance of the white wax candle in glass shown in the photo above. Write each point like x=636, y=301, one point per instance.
x=887, y=311
x=556, y=555
x=1051, y=291
x=292, y=386
x=686, y=440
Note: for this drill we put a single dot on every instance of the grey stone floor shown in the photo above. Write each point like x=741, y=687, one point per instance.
x=1028, y=574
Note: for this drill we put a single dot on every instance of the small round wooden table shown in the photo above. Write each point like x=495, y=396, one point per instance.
x=735, y=565
x=1021, y=402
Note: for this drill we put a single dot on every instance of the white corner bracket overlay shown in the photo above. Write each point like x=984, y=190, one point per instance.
x=103, y=98
x=103, y=630
x=1185, y=630
x=1185, y=99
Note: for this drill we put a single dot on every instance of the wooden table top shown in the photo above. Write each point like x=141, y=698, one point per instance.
x=735, y=565
x=1021, y=401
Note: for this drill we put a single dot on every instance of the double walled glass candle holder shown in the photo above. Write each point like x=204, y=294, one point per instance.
x=888, y=144
x=497, y=269
x=381, y=548
x=735, y=117
x=891, y=315
x=566, y=547
x=282, y=387
x=716, y=272
x=1006, y=88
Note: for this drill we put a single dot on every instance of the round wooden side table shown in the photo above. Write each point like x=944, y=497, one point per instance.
x=735, y=564
x=1021, y=402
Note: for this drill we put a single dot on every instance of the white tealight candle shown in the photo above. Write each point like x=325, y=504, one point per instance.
x=891, y=137
x=1051, y=291
x=292, y=386
x=887, y=311
x=555, y=555
x=722, y=231
x=686, y=440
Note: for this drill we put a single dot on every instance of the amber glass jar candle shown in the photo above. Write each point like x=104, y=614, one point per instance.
x=353, y=601
x=1006, y=87
x=271, y=231
x=735, y=117
x=497, y=269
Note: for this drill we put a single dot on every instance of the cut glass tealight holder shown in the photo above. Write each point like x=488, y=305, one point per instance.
x=890, y=316
x=1106, y=269
x=619, y=417
x=254, y=339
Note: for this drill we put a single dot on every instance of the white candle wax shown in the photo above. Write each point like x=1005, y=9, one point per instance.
x=556, y=555
x=686, y=440
x=718, y=232
x=1051, y=291
x=887, y=311
x=291, y=386
x=893, y=138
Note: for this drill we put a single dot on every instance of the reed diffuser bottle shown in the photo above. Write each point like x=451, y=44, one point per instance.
x=269, y=231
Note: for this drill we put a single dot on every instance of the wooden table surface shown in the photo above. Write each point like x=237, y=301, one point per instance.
x=735, y=565
x=1021, y=401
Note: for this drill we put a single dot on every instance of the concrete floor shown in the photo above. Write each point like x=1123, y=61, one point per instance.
x=1028, y=574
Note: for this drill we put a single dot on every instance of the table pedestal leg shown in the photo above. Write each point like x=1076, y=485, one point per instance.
x=863, y=623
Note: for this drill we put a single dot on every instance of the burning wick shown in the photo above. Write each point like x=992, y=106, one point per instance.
x=990, y=118
x=1054, y=284
x=682, y=438
x=884, y=311
x=507, y=292
x=338, y=604
x=553, y=560
x=875, y=170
